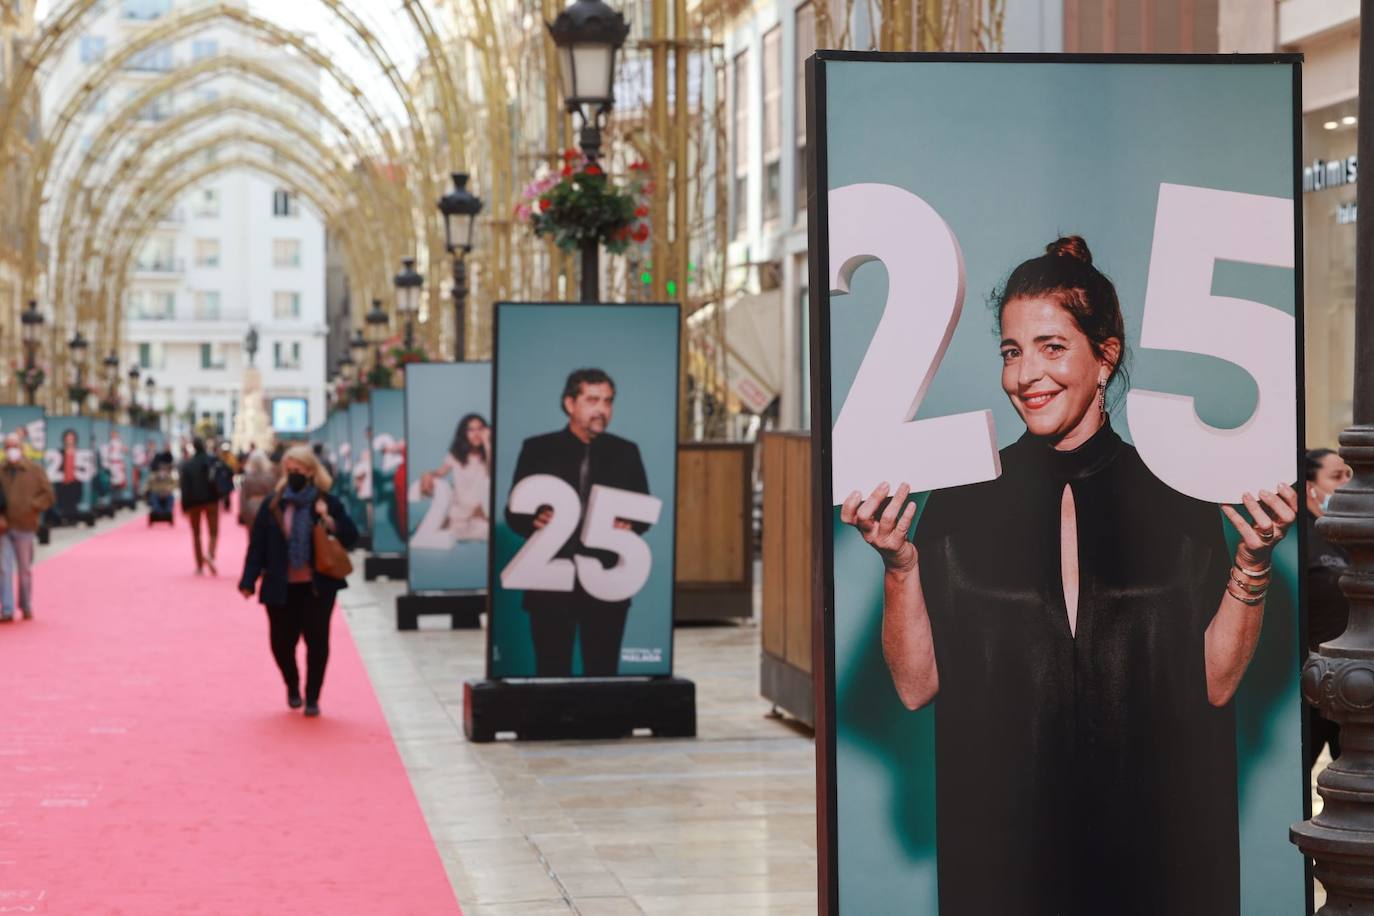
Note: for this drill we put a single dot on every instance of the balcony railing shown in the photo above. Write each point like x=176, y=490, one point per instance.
x=160, y=266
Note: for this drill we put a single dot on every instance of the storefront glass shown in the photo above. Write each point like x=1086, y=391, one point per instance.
x=1328, y=191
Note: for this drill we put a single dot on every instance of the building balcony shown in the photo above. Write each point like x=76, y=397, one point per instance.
x=160, y=266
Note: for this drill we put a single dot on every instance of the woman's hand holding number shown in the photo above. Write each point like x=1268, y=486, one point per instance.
x=885, y=528
x=1271, y=514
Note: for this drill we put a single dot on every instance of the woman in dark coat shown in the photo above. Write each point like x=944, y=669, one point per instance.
x=299, y=600
x=1084, y=627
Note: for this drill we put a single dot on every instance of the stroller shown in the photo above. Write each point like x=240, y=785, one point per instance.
x=161, y=487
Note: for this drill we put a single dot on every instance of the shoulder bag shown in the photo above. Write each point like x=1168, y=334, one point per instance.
x=330, y=557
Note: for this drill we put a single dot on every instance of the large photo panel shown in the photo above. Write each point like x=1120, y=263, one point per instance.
x=29, y=424
x=584, y=491
x=448, y=488
x=388, y=463
x=1059, y=363
x=70, y=460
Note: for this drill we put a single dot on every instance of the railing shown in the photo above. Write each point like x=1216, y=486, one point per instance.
x=161, y=266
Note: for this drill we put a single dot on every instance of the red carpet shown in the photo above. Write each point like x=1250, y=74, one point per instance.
x=149, y=763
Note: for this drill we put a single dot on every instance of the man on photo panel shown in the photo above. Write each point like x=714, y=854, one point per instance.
x=582, y=454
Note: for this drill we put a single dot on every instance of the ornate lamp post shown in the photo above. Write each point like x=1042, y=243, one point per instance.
x=589, y=35
x=250, y=344
x=377, y=321
x=32, y=330
x=408, y=283
x=150, y=386
x=1339, y=678
x=134, y=374
x=358, y=346
x=460, y=208
x=79, y=348
x=112, y=384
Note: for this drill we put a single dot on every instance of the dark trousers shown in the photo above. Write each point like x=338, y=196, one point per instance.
x=210, y=513
x=1321, y=731
x=304, y=614
x=601, y=628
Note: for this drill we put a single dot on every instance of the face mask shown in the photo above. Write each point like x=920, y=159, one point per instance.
x=1326, y=503
x=296, y=481
x=13, y=454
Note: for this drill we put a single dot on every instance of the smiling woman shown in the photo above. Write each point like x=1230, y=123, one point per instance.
x=1085, y=627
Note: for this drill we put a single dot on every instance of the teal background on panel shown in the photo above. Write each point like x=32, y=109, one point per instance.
x=537, y=346
x=358, y=444
x=1012, y=156
x=14, y=417
x=387, y=418
x=437, y=396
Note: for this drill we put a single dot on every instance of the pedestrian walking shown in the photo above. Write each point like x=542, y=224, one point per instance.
x=1328, y=611
x=26, y=494
x=200, y=501
x=259, y=480
x=299, y=597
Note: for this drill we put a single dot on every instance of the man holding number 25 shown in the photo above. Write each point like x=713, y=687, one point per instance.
x=1082, y=628
x=583, y=455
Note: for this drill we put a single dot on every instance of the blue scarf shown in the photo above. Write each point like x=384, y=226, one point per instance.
x=298, y=541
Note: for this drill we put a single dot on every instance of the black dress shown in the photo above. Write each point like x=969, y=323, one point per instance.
x=1081, y=774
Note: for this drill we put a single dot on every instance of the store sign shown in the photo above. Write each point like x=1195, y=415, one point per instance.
x=1346, y=214
x=1324, y=174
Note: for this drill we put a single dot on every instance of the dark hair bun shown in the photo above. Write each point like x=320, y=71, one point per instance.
x=1071, y=246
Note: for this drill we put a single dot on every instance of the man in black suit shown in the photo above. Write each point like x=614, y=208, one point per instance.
x=582, y=454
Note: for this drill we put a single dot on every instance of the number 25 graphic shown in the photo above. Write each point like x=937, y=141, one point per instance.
x=875, y=437
x=537, y=565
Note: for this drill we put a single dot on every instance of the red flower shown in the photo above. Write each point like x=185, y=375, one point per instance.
x=648, y=187
x=641, y=212
x=544, y=204
x=622, y=233
x=641, y=232
x=592, y=169
x=567, y=171
x=569, y=154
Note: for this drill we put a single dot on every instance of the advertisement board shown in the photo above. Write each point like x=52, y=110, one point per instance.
x=1055, y=389
x=448, y=477
x=584, y=434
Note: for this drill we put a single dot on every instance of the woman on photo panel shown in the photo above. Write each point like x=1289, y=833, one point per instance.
x=460, y=489
x=1083, y=628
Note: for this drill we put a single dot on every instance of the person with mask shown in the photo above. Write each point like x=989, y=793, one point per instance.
x=1328, y=611
x=299, y=599
x=27, y=494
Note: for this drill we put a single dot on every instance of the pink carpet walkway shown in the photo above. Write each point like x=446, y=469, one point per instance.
x=149, y=764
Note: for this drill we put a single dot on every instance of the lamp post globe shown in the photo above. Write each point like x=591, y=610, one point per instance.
x=589, y=35
x=408, y=284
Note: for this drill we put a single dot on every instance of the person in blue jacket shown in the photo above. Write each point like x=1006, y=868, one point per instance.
x=299, y=600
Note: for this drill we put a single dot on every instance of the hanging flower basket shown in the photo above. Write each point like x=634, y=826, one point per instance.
x=30, y=377
x=78, y=393
x=579, y=203
x=402, y=356
x=111, y=405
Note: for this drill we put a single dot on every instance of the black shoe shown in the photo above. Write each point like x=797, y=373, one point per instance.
x=312, y=708
x=293, y=699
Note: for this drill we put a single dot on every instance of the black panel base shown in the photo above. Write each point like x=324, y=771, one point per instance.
x=391, y=565
x=44, y=534
x=788, y=688
x=557, y=709
x=364, y=542
x=465, y=608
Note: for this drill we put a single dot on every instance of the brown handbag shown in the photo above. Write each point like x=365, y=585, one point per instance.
x=330, y=557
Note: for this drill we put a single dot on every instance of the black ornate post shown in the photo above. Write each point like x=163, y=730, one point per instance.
x=460, y=208
x=32, y=328
x=1339, y=679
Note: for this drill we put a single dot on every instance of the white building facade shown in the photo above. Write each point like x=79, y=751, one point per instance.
x=238, y=251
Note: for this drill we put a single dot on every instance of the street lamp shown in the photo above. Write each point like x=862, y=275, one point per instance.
x=460, y=208
x=112, y=383
x=408, y=283
x=377, y=320
x=134, y=374
x=346, y=366
x=588, y=35
x=32, y=330
x=79, y=348
x=250, y=344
